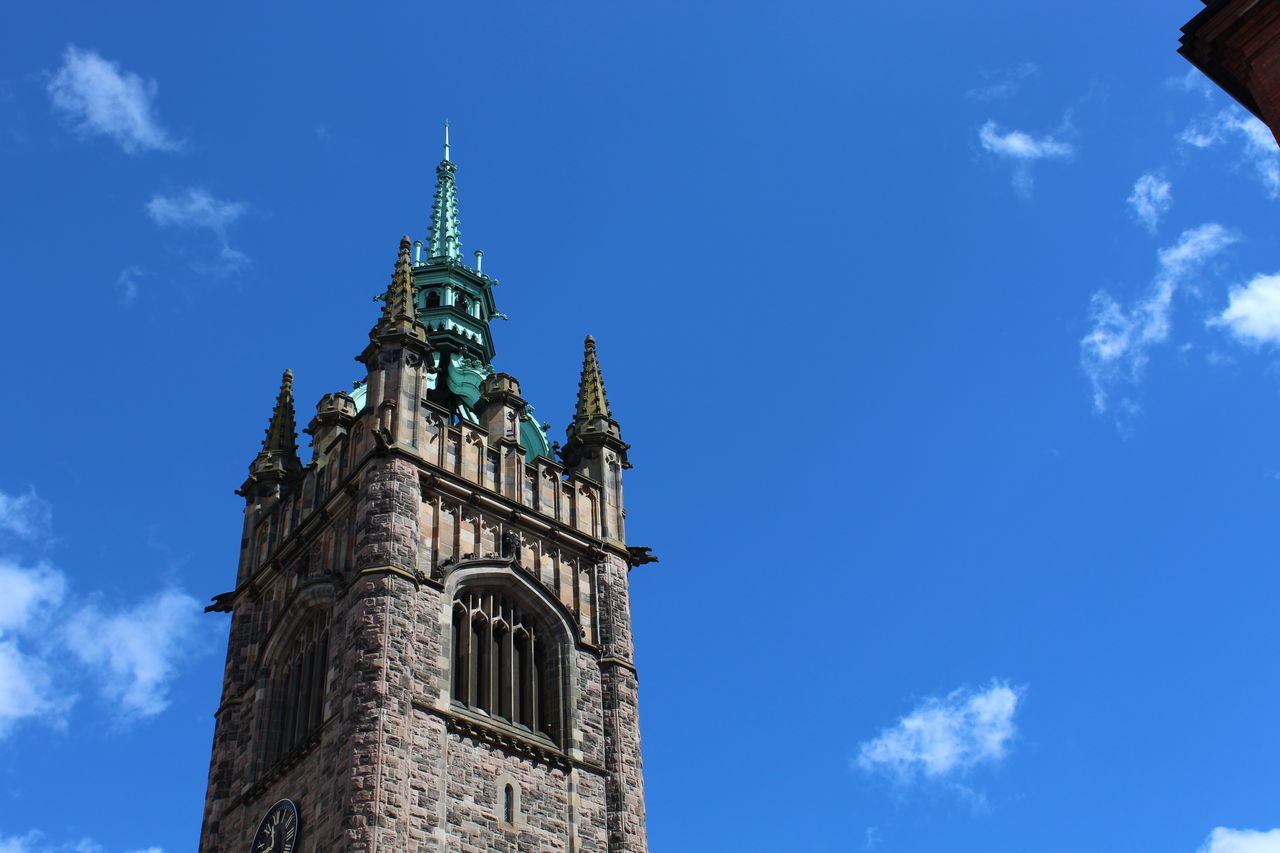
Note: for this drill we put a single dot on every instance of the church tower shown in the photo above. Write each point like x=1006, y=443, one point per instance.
x=430, y=640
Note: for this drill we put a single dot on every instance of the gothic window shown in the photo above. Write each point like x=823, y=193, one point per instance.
x=502, y=663
x=463, y=304
x=433, y=299
x=509, y=804
x=297, y=689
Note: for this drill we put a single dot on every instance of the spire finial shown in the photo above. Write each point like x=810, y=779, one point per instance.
x=445, y=241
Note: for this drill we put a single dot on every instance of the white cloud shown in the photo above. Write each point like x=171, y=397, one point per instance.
x=26, y=689
x=1223, y=840
x=25, y=591
x=47, y=645
x=135, y=652
x=33, y=842
x=127, y=283
x=1002, y=84
x=1257, y=145
x=946, y=737
x=1115, y=349
x=24, y=516
x=103, y=99
x=195, y=208
x=26, y=680
x=1252, y=314
x=19, y=843
x=1150, y=200
x=1196, y=83
x=1023, y=149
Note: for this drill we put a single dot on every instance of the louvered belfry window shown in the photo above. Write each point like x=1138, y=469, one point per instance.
x=502, y=663
x=298, y=689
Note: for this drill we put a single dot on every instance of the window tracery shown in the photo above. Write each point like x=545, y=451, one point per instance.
x=503, y=665
x=297, y=689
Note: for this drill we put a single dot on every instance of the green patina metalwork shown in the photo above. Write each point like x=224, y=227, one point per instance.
x=454, y=302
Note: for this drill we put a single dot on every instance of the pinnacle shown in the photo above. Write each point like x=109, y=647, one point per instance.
x=592, y=402
x=279, y=454
x=282, y=430
x=399, y=303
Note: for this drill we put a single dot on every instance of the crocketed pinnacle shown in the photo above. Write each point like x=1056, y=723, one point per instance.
x=592, y=402
x=280, y=447
x=445, y=241
x=399, y=310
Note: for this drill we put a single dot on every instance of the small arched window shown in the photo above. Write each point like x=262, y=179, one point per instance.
x=509, y=804
x=503, y=665
x=433, y=299
x=462, y=303
x=297, y=690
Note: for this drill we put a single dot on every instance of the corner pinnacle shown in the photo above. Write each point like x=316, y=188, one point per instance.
x=282, y=435
x=278, y=458
x=592, y=402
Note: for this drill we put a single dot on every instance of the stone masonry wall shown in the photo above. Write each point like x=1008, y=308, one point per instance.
x=391, y=770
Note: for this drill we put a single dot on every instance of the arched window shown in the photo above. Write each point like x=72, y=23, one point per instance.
x=503, y=665
x=462, y=303
x=509, y=804
x=433, y=299
x=297, y=689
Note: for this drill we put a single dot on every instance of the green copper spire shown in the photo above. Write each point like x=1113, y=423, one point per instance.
x=445, y=241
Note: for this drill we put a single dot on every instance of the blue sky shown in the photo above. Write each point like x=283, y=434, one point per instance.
x=945, y=335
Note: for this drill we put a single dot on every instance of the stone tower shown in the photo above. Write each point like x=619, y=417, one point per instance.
x=430, y=641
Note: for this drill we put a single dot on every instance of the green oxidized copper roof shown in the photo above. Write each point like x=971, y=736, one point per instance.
x=454, y=303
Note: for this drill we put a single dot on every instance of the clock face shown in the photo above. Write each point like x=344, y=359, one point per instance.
x=278, y=832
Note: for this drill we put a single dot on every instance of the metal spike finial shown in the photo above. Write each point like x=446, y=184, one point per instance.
x=445, y=240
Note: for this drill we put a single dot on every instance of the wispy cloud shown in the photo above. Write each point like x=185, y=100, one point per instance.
x=1257, y=145
x=127, y=283
x=48, y=644
x=27, y=595
x=135, y=650
x=1115, y=351
x=1252, y=314
x=1196, y=83
x=25, y=516
x=101, y=99
x=1150, y=200
x=1004, y=83
x=1023, y=149
x=946, y=737
x=34, y=842
x=1223, y=840
x=195, y=209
